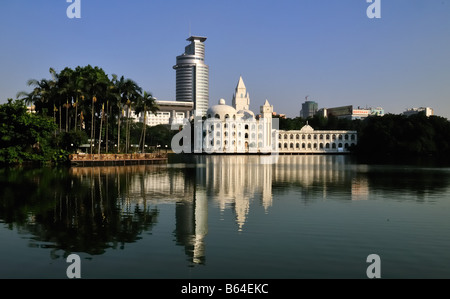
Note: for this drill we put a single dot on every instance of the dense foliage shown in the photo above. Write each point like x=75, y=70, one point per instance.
x=87, y=99
x=399, y=135
x=25, y=136
x=388, y=135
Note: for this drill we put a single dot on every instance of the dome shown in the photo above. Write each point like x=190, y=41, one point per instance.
x=221, y=111
x=307, y=128
x=246, y=114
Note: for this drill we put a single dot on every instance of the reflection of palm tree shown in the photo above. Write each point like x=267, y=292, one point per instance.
x=74, y=216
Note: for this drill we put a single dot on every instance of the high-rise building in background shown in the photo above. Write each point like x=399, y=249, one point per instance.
x=350, y=112
x=426, y=110
x=192, y=76
x=309, y=109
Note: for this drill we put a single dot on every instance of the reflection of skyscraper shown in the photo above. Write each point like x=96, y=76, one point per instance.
x=192, y=76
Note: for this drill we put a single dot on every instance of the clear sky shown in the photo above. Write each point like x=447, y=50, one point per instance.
x=285, y=50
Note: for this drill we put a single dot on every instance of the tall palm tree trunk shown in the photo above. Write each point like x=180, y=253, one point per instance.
x=100, y=131
x=107, y=126
x=76, y=114
x=144, y=129
x=118, y=130
x=92, y=124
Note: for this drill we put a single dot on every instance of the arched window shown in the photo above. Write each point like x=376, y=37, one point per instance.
x=217, y=116
x=327, y=145
x=292, y=145
x=297, y=145
x=285, y=136
x=227, y=116
x=285, y=145
x=303, y=145
x=321, y=146
x=321, y=137
x=328, y=137
x=292, y=136
x=309, y=137
x=309, y=145
x=334, y=145
x=353, y=137
x=246, y=136
x=297, y=136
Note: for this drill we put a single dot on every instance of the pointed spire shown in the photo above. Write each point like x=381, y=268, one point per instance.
x=241, y=84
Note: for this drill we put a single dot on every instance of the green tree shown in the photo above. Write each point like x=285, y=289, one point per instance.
x=145, y=103
x=24, y=136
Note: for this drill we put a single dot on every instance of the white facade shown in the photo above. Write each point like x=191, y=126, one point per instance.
x=307, y=140
x=235, y=129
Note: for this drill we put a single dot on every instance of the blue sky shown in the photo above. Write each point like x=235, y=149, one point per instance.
x=285, y=50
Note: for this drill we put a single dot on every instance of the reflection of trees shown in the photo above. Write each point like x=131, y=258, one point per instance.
x=409, y=181
x=87, y=212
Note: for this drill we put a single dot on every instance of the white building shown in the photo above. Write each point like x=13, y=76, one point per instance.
x=427, y=110
x=235, y=129
x=170, y=112
x=309, y=141
x=192, y=76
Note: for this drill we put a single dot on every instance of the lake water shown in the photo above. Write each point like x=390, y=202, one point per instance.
x=232, y=217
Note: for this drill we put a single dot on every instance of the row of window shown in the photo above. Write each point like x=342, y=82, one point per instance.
x=233, y=134
x=314, y=145
x=233, y=125
x=319, y=136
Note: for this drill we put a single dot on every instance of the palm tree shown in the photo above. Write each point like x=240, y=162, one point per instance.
x=128, y=91
x=146, y=103
x=55, y=82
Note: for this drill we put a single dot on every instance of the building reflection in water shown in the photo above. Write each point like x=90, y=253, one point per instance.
x=95, y=208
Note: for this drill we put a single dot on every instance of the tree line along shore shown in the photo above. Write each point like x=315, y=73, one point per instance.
x=86, y=106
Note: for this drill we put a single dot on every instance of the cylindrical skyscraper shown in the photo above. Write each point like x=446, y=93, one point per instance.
x=192, y=76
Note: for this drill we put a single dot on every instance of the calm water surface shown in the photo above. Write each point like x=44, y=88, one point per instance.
x=227, y=217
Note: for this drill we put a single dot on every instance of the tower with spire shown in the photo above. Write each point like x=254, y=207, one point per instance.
x=241, y=98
